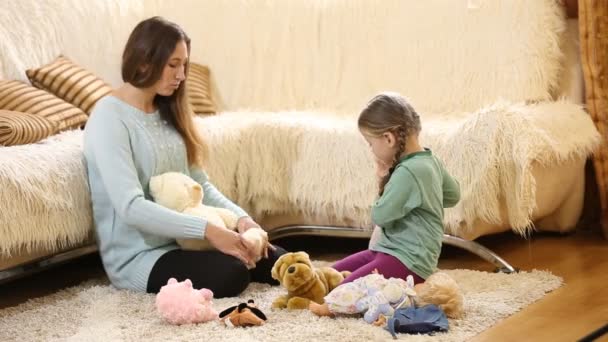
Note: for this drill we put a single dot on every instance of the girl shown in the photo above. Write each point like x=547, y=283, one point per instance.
x=414, y=187
x=144, y=129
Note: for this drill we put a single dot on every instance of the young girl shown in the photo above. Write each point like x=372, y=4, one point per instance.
x=414, y=188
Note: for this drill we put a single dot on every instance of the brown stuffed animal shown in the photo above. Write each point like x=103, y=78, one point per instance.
x=243, y=315
x=303, y=282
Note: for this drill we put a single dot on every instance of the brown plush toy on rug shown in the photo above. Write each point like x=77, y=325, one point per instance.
x=304, y=283
x=243, y=315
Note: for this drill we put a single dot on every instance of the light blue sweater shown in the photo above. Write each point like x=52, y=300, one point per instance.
x=123, y=148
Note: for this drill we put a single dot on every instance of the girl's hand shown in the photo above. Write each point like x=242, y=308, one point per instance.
x=381, y=168
x=376, y=233
x=229, y=242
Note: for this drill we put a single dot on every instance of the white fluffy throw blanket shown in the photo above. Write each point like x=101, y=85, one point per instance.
x=315, y=162
x=44, y=201
x=319, y=163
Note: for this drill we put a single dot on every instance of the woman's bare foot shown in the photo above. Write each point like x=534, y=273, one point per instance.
x=319, y=309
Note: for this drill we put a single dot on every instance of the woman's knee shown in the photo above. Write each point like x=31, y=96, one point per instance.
x=274, y=255
x=235, y=280
x=262, y=273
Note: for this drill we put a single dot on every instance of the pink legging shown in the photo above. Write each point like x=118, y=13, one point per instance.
x=364, y=262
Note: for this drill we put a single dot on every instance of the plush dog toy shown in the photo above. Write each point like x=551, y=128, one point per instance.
x=181, y=193
x=178, y=303
x=243, y=315
x=303, y=282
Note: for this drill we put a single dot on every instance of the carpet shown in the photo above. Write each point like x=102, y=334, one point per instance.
x=95, y=311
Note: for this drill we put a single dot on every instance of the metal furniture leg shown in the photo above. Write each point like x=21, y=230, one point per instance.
x=329, y=231
x=44, y=263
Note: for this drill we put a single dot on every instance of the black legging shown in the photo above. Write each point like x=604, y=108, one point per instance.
x=224, y=275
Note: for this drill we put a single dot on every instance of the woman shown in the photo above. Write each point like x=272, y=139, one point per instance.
x=144, y=128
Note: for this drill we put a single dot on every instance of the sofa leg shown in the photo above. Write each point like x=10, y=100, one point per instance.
x=481, y=251
x=330, y=231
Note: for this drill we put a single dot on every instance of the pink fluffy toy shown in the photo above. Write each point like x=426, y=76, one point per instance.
x=179, y=303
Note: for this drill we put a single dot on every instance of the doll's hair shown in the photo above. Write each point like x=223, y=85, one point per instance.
x=442, y=290
x=390, y=112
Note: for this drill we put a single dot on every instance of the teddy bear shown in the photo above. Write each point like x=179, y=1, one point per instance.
x=181, y=193
x=179, y=303
x=304, y=282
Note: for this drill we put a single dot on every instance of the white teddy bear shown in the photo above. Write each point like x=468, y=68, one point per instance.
x=181, y=193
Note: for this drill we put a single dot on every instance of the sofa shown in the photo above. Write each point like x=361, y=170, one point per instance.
x=498, y=85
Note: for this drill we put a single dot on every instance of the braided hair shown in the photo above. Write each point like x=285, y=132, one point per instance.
x=390, y=112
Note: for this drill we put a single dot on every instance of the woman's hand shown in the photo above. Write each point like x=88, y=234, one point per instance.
x=229, y=242
x=245, y=223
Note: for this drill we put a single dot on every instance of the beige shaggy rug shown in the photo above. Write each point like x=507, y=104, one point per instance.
x=94, y=311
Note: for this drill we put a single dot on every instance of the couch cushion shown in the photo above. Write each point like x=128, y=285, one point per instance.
x=20, y=97
x=71, y=82
x=199, y=89
x=18, y=128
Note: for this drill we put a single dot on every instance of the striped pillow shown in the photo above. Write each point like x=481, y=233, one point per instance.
x=18, y=128
x=21, y=97
x=71, y=82
x=199, y=89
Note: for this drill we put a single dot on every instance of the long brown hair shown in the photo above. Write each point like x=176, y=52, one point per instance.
x=146, y=53
x=390, y=112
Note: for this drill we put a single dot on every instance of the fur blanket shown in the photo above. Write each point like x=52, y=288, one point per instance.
x=320, y=164
x=316, y=162
x=45, y=201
